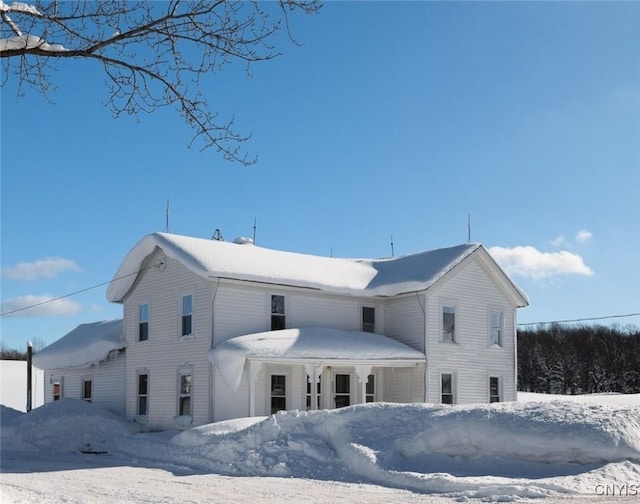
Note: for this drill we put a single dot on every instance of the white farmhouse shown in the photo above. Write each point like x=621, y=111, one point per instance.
x=217, y=330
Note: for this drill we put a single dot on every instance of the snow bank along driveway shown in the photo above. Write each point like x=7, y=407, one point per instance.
x=502, y=451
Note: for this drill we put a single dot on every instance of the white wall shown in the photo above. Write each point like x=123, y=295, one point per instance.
x=165, y=352
x=471, y=359
x=13, y=385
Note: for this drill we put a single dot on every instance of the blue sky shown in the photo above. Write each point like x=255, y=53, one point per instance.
x=391, y=119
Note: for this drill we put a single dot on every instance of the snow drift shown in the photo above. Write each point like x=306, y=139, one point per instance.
x=504, y=451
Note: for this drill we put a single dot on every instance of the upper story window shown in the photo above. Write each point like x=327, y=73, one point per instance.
x=143, y=322
x=495, y=335
x=368, y=319
x=187, y=315
x=448, y=324
x=277, y=313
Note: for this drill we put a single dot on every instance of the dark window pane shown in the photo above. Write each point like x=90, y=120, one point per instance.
x=142, y=384
x=342, y=384
x=143, y=331
x=278, y=404
x=185, y=405
x=186, y=325
x=277, y=304
x=368, y=319
x=342, y=401
x=142, y=405
x=371, y=385
x=446, y=384
x=278, y=385
x=447, y=399
x=86, y=392
x=277, y=322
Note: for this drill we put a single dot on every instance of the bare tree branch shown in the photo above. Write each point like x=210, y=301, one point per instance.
x=154, y=54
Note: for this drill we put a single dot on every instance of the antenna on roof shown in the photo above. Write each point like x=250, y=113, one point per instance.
x=254, y=230
x=331, y=252
x=217, y=235
x=469, y=228
x=392, y=254
x=166, y=223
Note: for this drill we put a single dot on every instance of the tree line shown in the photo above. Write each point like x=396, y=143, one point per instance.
x=558, y=359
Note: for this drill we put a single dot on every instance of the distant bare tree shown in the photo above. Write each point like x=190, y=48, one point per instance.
x=154, y=54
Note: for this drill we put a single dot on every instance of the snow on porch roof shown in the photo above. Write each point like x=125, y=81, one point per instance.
x=87, y=344
x=365, y=277
x=307, y=344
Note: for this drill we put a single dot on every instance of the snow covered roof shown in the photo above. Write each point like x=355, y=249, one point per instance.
x=87, y=344
x=311, y=344
x=364, y=277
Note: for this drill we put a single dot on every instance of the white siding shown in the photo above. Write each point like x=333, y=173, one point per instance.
x=166, y=352
x=107, y=383
x=404, y=320
x=474, y=294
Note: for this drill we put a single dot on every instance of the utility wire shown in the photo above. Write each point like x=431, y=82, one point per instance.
x=580, y=319
x=71, y=293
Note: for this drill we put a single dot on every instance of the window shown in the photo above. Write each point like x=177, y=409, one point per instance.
x=86, y=389
x=318, y=393
x=368, y=319
x=187, y=314
x=447, y=388
x=448, y=324
x=143, y=322
x=495, y=336
x=371, y=389
x=57, y=390
x=494, y=389
x=143, y=394
x=343, y=390
x=277, y=313
x=184, y=393
x=278, y=393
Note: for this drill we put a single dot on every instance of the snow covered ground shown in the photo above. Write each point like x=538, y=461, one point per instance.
x=576, y=450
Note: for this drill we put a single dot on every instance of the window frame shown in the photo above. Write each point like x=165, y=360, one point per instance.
x=368, y=326
x=445, y=305
x=83, y=388
x=181, y=395
x=140, y=373
x=453, y=381
x=499, y=396
x=492, y=327
x=348, y=394
x=270, y=384
x=186, y=316
x=274, y=315
x=371, y=380
x=141, y=322
x=56, y=382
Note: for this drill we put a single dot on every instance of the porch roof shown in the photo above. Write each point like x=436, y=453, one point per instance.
x=309, y=345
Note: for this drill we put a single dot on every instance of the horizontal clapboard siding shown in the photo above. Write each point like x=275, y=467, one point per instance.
x=404, y=320
x=107, y=383
x=470, y=359
x=165, y=353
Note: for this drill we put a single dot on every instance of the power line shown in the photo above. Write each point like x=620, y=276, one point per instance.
x=580, y=319
x=72, y=293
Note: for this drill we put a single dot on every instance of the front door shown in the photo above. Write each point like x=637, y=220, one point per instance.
x=342, y=385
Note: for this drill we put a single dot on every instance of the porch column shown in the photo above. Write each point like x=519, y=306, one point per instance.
x=314, y=372
x=363, y=373
x=252, y=374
